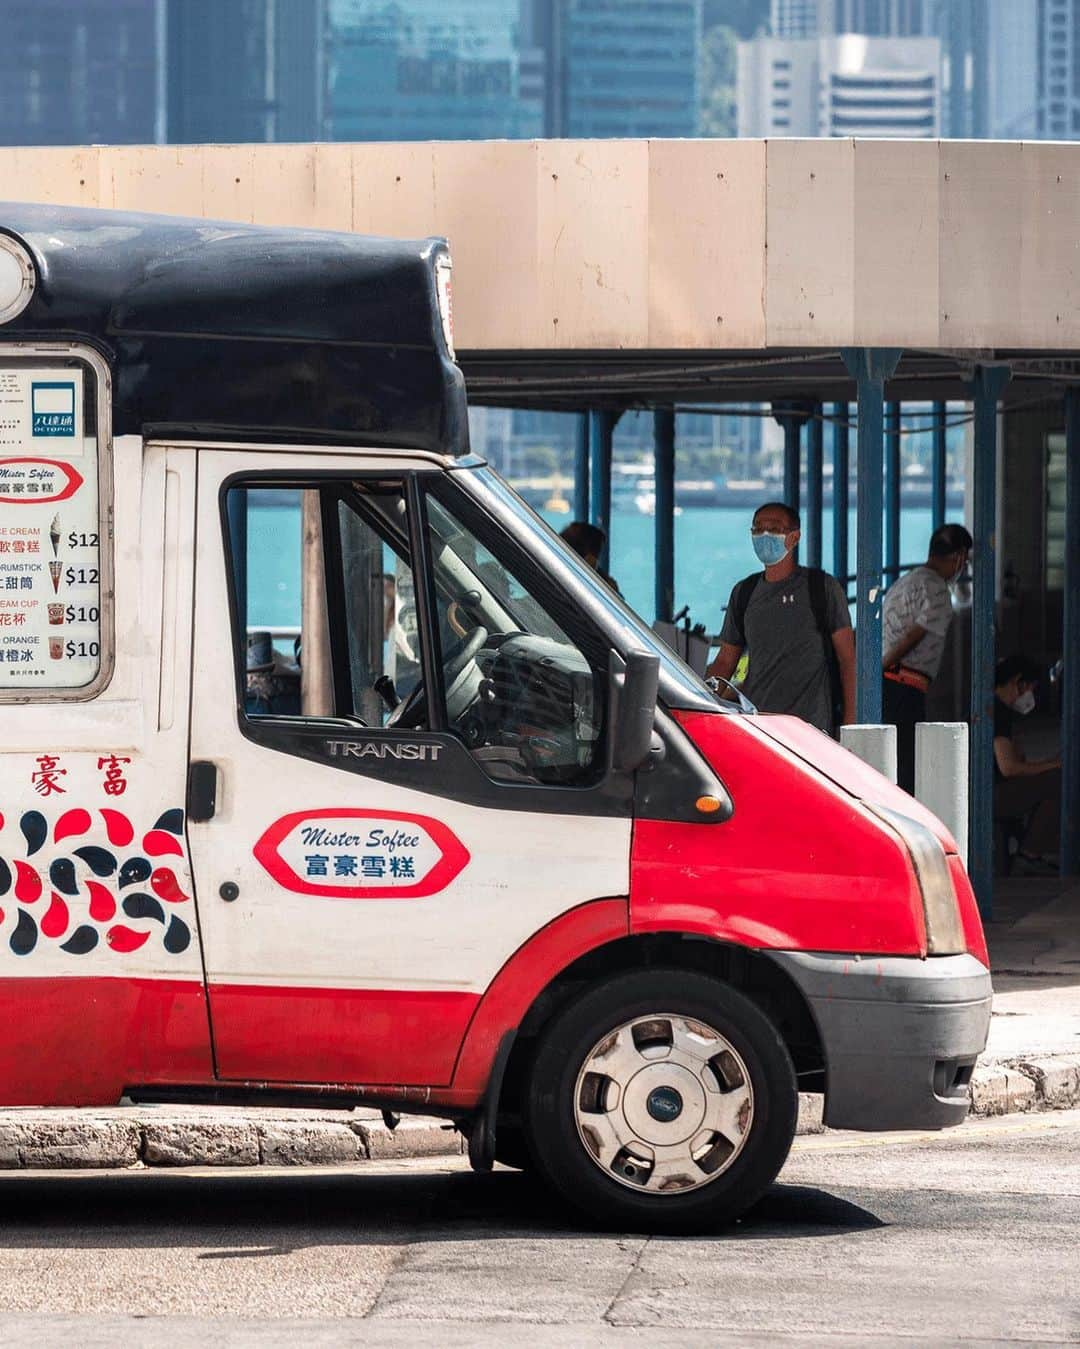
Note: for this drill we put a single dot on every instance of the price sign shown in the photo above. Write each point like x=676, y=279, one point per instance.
x=50, y=568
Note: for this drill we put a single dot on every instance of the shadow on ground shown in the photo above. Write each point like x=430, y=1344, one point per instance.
x=341, y=1208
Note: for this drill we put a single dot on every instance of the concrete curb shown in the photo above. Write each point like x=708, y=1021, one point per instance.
x=129, y=1138
x=1051, y=1083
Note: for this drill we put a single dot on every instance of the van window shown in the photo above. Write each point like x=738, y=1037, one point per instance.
x=532, y=703
x=55, y=639
x=330, y=623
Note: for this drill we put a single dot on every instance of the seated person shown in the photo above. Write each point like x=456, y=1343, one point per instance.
x=272, y=686
x=1024, y=789
x=588, y=542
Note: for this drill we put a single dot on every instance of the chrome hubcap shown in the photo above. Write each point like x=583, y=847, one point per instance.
x=664, y=1104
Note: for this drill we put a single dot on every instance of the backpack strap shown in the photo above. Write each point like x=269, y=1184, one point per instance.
x=818, y=604
x=817, y=581
x=741, y=602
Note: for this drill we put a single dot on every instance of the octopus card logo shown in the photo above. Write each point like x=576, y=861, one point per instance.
x=361, y=854
x=52, y=408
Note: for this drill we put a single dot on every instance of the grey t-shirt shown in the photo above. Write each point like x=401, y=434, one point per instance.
x=788, y=671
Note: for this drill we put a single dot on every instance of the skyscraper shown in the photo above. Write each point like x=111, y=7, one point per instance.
x=630, y=67
x=79, y=72
x=850, y=85
x=793, y=18
x=618, y=67
x=430, y=70
x=876, y=18
x=1058, y=70
x=988, y=51
x=245, y=70
x=1012, y=61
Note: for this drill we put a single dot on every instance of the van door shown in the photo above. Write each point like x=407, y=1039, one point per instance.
x=399, y=750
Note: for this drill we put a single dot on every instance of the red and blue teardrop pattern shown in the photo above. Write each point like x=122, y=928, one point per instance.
x=66, y=879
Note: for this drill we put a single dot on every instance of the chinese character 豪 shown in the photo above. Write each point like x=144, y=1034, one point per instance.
x=316, y=864
x=46, y=778
x=115, y=784
x=345, y=865
x=403, y=868
x=372, y=867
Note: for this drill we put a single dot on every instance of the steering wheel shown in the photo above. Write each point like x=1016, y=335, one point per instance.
x=459, y=661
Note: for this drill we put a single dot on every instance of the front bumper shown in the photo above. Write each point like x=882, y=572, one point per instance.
x=900, y=1035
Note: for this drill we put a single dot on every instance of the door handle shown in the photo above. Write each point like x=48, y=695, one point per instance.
x=202, y=791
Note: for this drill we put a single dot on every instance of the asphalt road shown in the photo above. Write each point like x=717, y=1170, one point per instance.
x=966, y=1236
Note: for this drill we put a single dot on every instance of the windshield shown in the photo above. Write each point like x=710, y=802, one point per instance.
x=539, y=538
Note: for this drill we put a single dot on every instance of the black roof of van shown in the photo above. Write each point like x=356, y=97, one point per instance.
x=216, y=330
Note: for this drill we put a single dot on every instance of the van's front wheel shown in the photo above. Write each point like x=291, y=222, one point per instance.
x=661, y=1100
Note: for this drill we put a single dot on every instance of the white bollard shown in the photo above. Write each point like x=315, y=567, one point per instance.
x=875, y=745
x=941, y=775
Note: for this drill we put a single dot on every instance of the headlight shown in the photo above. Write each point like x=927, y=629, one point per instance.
x=944, y=930
x=17, y=278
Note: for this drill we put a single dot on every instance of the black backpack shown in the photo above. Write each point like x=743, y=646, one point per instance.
x=740, y=602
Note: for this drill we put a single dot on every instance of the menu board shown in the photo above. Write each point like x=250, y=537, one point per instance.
x=50, y=569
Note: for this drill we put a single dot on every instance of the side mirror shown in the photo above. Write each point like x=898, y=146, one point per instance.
x=634, y=684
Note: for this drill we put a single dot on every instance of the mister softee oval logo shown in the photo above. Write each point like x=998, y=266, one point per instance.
x=26, y=481
x=361, y=854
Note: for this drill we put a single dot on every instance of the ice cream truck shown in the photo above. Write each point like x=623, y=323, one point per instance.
x=330, y=776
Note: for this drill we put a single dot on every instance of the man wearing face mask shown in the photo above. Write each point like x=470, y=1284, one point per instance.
x=794, y=625
x=915, y=620
x=1024, y=789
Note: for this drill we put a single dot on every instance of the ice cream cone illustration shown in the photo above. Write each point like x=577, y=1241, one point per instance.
x=54, y=534
x=55, y=568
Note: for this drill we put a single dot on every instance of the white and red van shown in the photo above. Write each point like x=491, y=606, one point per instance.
x=330, y=776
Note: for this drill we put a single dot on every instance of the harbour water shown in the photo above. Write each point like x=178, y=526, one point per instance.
x=712, y=551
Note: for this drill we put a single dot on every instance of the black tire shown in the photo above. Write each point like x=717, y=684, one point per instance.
x=511, y=1148
x=564, y=1162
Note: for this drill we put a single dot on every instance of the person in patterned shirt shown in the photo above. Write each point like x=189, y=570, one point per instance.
x=915, y=621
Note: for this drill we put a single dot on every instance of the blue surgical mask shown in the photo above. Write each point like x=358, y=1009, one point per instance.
x=770, y=548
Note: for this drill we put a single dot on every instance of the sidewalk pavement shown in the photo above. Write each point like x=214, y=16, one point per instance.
x=1033, y=1058
x=1032, y=1062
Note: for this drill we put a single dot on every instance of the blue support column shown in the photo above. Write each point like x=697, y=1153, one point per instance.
x=815, y=465
x=841, y=447
x=581, y=467
x=601, y=435
x=1070, y=710
x=791, y=417
x=892, y=493
x=664, y=450
x=986, y=389
x=937, y=467
x=870, y=367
